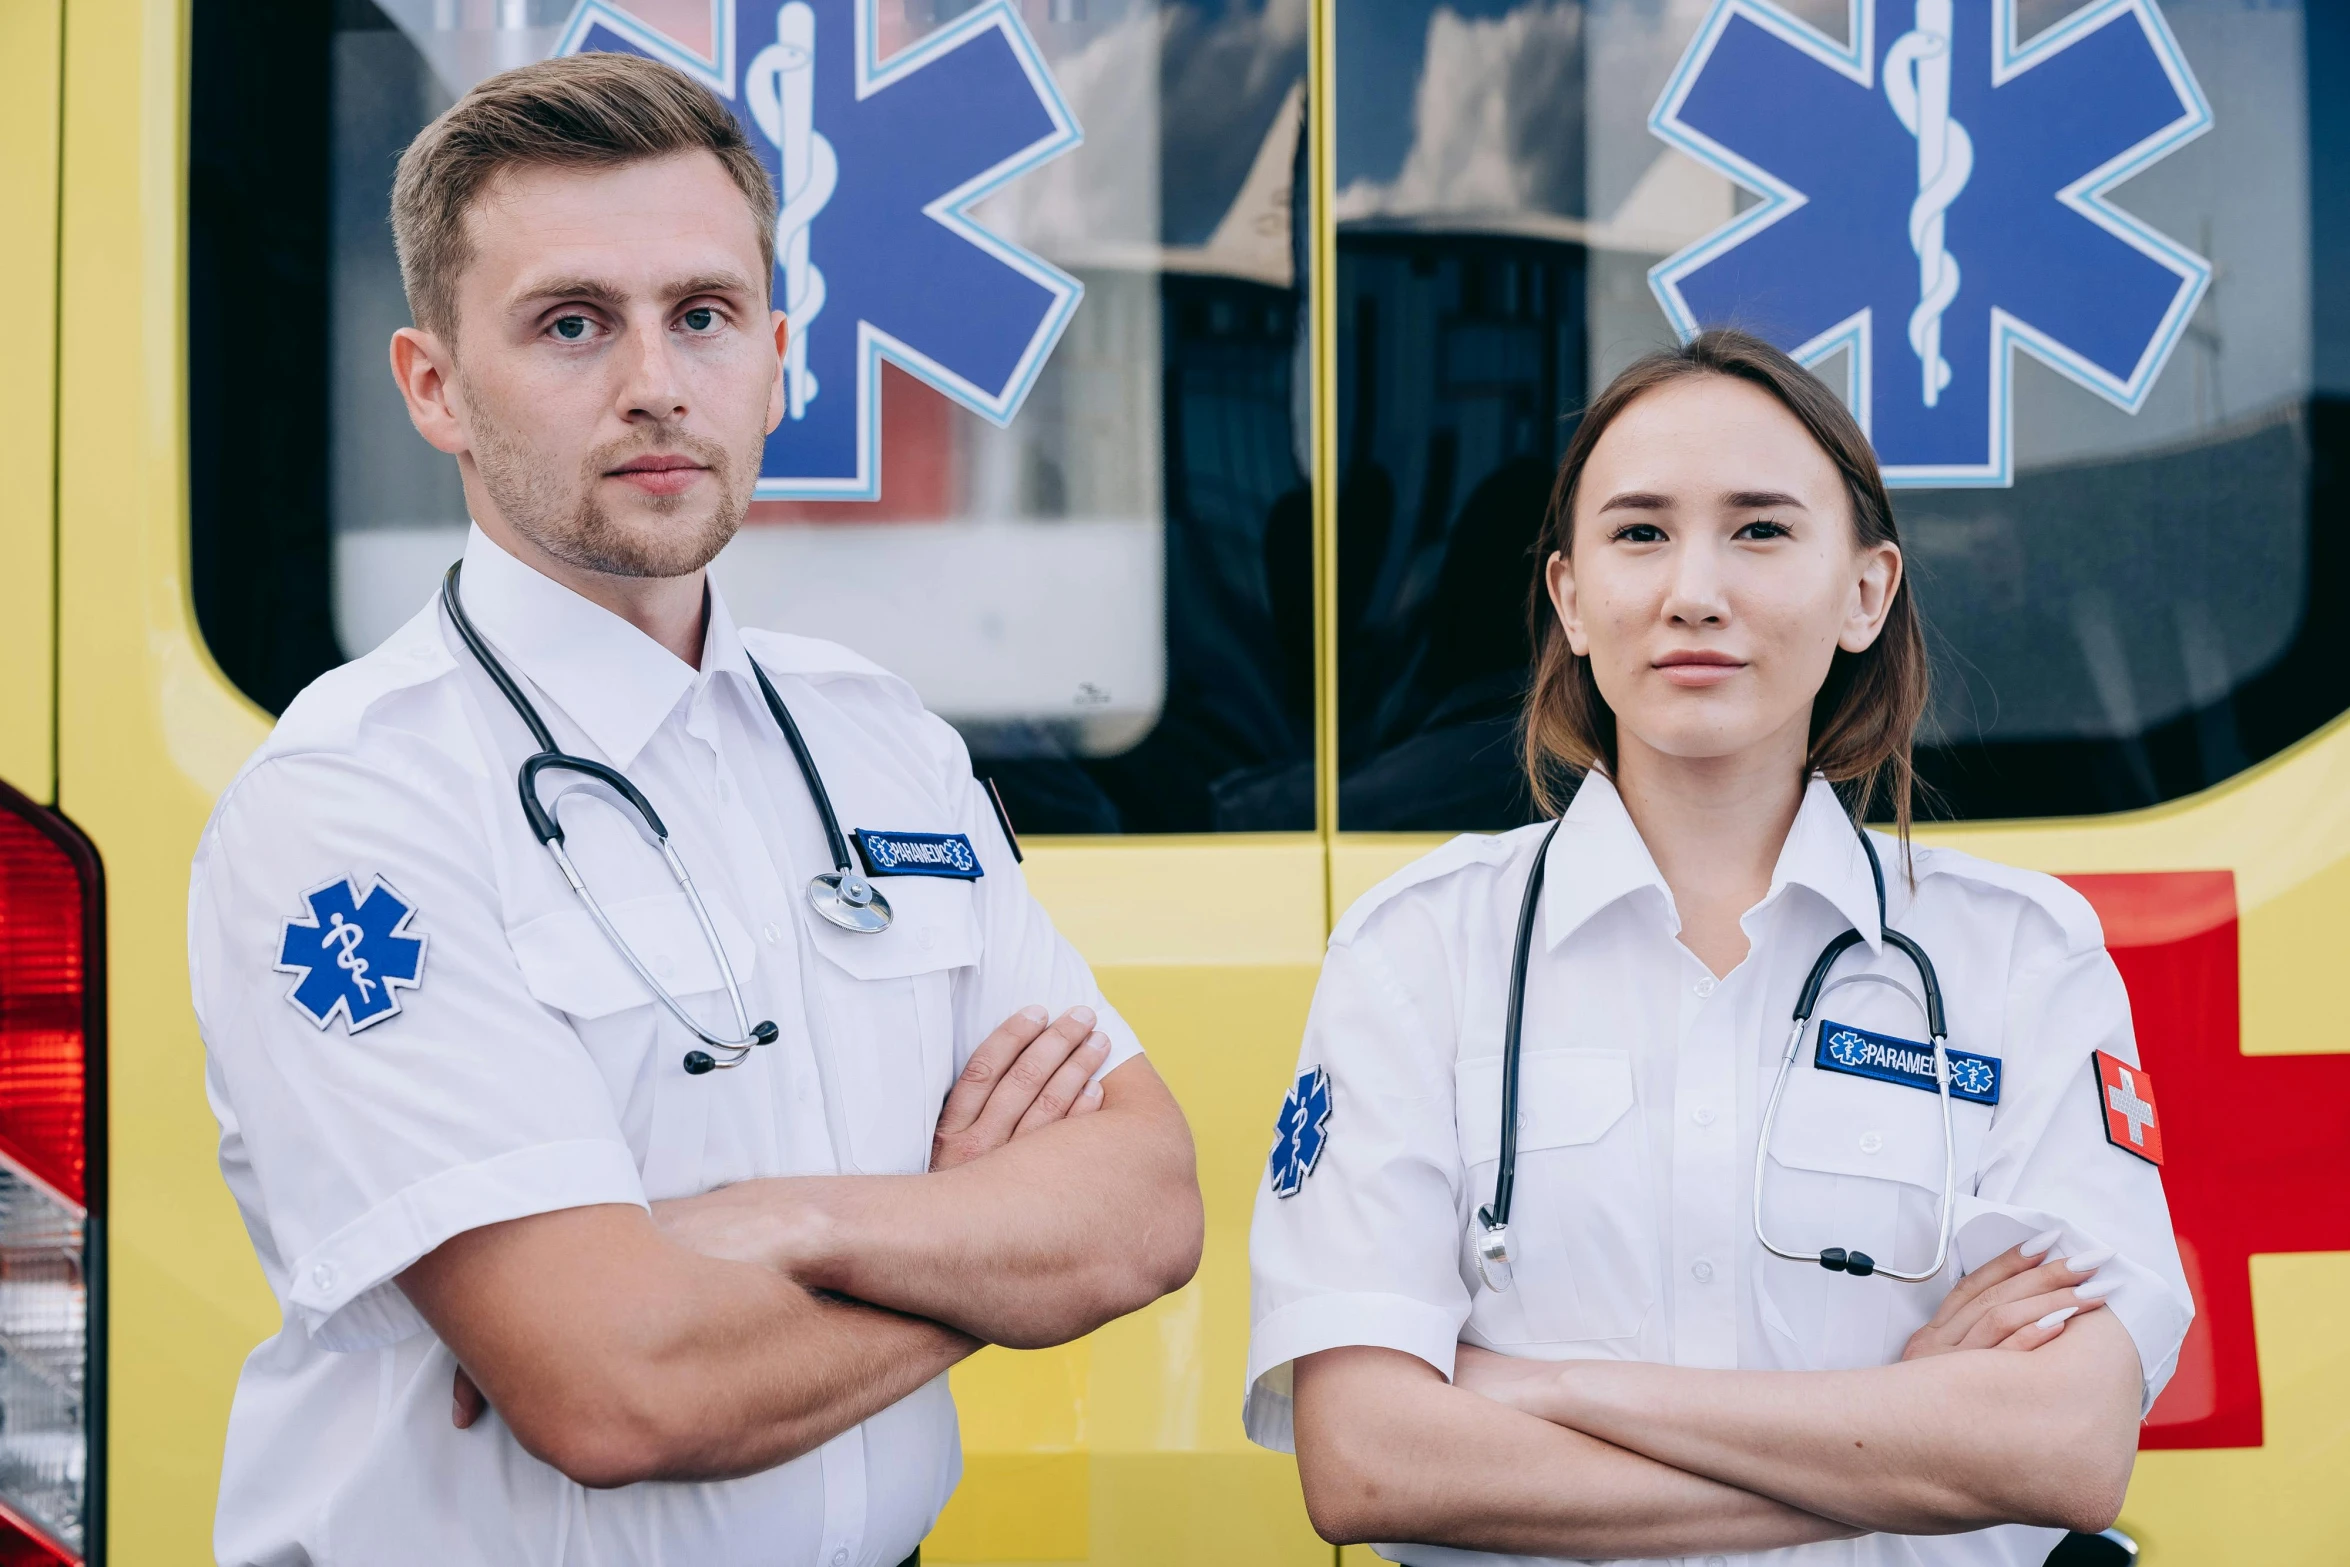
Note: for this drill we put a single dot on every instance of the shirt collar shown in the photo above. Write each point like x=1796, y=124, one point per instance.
x=1598, y=857
x=617, y=684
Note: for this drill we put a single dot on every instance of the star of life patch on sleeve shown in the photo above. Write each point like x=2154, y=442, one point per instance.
x=2125, y=1096
x=353, y=953
x=1843, y=1048
x=1301, y=1132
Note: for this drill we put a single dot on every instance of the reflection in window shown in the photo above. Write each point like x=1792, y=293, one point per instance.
x=2128, y=623
x=1102, y=596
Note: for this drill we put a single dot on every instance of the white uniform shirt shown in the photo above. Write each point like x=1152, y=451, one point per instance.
x=527, y=1069
x=1641, y=1094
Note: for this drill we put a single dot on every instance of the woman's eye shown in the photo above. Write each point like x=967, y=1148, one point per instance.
x=700, y=319
x=1638, y=533
x=1763, y=528
x=571, y=328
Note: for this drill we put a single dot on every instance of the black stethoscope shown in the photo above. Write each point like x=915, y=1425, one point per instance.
x=842, y=895
x=1491, y=1243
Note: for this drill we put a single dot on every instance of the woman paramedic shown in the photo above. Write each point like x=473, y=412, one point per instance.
x=1584, y=1347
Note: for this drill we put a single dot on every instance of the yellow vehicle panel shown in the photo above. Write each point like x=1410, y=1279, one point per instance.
x=1124, y=1448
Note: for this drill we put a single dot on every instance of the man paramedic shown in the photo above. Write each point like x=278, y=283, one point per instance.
x=548, y=1295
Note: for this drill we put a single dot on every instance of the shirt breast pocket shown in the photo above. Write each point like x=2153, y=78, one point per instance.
x=1856, y=1163
x=1582, y=1233
x=569, y=964
x=885, y=1019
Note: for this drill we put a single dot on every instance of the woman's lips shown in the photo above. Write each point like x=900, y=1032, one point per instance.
x=659, y=475
x=1696, y=671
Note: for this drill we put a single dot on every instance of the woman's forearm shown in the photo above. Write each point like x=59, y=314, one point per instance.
x=1929, y=1446
x=1389, y=1452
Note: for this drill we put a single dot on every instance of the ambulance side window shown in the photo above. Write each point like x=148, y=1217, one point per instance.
x=1108, y=591
x=2138, y=615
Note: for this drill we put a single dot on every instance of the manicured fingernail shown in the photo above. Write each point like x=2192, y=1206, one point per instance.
x=1033, y=1014
x=2090, y=1261
x=1081, y=1016
x=1097, y=1042
x=2055, y=1317
x=2040, y=1242
x=2096, y=1289
x=1092, y=1091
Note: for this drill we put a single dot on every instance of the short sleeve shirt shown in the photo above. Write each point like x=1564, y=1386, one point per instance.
x=414, y=1028
x=1642, y=1087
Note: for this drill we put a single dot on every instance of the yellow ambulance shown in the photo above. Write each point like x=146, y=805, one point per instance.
x=1337, y=274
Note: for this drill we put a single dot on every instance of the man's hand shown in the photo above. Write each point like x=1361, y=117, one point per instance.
x=2014, y=1301
x=1022, y=1076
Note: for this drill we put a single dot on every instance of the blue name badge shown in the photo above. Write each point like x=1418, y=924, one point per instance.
x=1843, y=1048
x=917, y=854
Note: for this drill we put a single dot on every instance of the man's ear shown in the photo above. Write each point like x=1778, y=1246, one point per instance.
x=775, y=391
x=1559, y=576
x=427, y=375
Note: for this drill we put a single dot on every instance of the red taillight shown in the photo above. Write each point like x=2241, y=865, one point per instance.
x=43, y=1006
x=50, y=946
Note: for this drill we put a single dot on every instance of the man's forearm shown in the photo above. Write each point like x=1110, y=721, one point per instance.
x=1389, y=1452
x=1928, y=1446
x=1035, y=1243
x=805, y=1374
x=617, y=1356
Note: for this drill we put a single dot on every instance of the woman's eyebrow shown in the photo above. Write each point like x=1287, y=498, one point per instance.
x=1638, y=500
x=1762, y=500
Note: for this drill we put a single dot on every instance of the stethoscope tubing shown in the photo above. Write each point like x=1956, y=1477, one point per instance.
x=1491, y=1241
x=844, y=897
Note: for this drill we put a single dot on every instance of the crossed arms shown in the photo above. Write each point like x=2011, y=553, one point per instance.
x=1995, y=1414
x=725, y=1334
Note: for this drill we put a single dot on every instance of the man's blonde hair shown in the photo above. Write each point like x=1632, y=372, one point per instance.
x=589, y=111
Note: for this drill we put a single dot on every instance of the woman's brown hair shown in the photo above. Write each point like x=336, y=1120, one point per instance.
x=1867, y=711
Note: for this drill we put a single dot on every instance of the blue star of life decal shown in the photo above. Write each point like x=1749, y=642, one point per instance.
x=353, y=953
x=1301, y=1132
x=876, y=167
x=1934, y=201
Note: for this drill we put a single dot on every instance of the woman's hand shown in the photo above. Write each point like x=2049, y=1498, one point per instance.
x=2015, y=1301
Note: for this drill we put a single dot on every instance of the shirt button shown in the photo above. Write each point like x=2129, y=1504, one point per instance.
x=323, y=1276
x=1870, y=1142
x=925, y=938
x=1703, y=1115
x=840, y=1558
x=772, y=934
x=1702, y=1271
x=1705, y=987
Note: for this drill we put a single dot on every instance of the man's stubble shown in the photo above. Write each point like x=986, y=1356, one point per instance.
x=564, y=516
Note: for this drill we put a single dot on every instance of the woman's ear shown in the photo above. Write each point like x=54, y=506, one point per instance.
x=1872, y=597
x=1559, y=576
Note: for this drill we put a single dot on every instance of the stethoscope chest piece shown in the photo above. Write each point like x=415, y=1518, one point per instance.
x=850, y=901
x=1493, y=1257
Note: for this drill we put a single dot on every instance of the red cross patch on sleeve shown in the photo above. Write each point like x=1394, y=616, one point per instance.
x=2126, y=1095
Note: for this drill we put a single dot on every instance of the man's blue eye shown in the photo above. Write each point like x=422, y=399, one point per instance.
x=571, y=328
x=701, y=320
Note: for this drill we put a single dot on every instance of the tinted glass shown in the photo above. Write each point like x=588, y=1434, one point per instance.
x=2125, y=620
x=1091, y=589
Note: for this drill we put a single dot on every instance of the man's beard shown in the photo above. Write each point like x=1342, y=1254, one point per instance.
x=572, y=524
